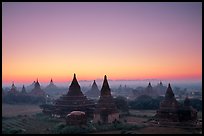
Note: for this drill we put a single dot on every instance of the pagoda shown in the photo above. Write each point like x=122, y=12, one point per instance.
x=31, y=86
x=106, y=110
x=160, y=88
x=94, y=92
x=150, y=91
x=23, y=91
x=171, y=111
x=51, y=88
x=13, y=90
x=74, y=100
x=169, y=107
x=37, y=91
x=188, y=112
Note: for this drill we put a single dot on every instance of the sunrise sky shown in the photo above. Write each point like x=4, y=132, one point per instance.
x=121, y=40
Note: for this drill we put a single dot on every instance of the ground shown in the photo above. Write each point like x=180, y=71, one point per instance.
x=30, y=120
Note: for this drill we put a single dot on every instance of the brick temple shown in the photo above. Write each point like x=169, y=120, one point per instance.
x=74, y=100
x=171, y=110
x=106, y=110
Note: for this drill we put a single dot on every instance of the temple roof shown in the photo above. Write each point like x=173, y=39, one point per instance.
x=94, y=86
x=105, y=91
x=13, y=88
x=37, y=89
x=37, y=84
x=149, y=86
x=169, y=92
x=74, y=88
x=23, y=89
x=51, y=86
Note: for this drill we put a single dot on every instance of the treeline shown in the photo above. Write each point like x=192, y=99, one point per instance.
x=18, y=99
x=145, y=102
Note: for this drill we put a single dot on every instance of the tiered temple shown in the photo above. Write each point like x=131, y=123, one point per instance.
x=160, y=88
x=106, y=110
x=37, y=91
x=94, y=92
x=13, y=89
x=51, y=88
x=74, y=100
x=23, y=91
x=150, y=91
x=171, y=111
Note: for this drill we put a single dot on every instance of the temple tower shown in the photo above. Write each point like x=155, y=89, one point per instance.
x=106, y=111
x=74, y=100
x=37, y=91
x=94, y=92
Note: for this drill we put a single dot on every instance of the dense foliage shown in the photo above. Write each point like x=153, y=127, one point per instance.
x=145, y=102
x=195, y=103
x=121, y=103
x=28, y=99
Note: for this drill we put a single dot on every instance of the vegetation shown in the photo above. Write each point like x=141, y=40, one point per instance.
x=28, y=99
x=70, y=129
x=145, y=102
x=121, y=103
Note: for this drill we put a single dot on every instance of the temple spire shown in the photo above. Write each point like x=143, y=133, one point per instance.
x=105, y=91
x=23, y=89
x=75, y=89
x=13, y=86
x=169, y=92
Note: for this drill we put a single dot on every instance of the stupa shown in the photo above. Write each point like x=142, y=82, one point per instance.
x=74, y=100
x=37, y=91
x=23, y=91
x=171, y=111
x=150, y=91
x=51, y=88
x=94, y=92
x=13, y=89
x=106, y=110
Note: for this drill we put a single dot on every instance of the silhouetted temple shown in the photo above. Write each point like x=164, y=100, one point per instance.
x=13, y=89
x=94, y=92
x=74, y=100
x=23, y=91
x=150, y=91
x=171, y=111
x=106, y=110
x=51, y=88
x=37, y=91
x=160, y=88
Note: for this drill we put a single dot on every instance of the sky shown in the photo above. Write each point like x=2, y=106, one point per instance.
x=121, y=40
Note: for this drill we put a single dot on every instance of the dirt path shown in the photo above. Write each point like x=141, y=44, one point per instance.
x=14, y=110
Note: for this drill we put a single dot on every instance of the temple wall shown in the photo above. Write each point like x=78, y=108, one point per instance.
x=112, y=117
x=96, y=118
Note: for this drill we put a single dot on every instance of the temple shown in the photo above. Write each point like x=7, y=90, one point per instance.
x=51, y=88
x=74, y=100
x=37, y=91
x=94, y=92
x=171, y=111
x=160, y=88
x=23, y=91
x=150, y=91
x=13, y=89
x=106, y=111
